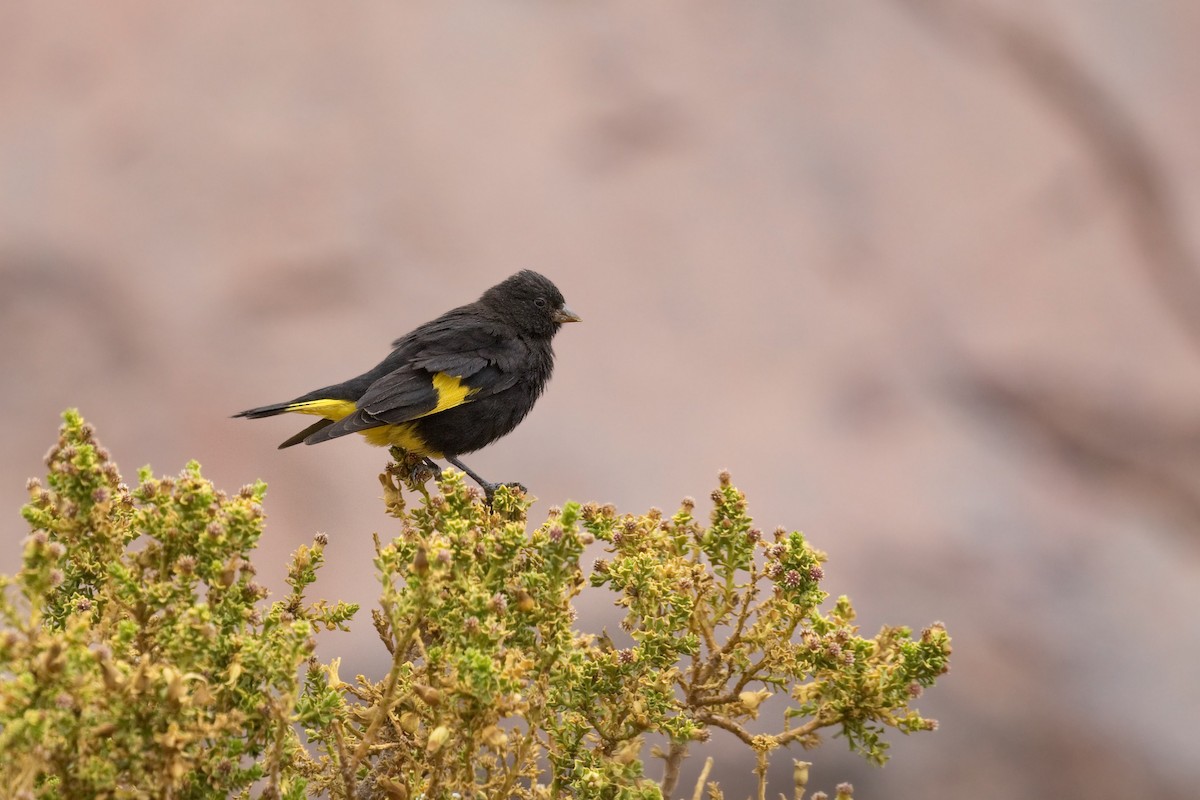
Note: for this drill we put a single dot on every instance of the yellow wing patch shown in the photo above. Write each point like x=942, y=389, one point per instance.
x=451, y=392
x=330, y=409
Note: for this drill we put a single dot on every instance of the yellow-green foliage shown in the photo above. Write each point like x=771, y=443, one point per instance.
x=136, y=656
x=140, y=659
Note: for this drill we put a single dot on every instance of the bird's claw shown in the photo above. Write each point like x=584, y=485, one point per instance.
x=489, y=489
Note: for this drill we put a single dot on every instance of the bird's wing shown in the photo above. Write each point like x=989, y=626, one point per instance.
x=435, y=368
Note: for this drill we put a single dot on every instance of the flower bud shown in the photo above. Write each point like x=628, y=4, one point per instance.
x=432, y=697
x=800, y=775
x=752, y=700
x=437, y=738
x=525, y=602
x=409, y=722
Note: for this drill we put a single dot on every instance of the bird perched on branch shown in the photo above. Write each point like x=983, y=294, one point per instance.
x=452, y=385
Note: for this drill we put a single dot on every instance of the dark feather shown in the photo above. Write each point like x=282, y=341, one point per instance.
x=265, y=411
x=304, y=434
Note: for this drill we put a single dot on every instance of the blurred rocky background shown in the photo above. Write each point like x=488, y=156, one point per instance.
x=924, y=275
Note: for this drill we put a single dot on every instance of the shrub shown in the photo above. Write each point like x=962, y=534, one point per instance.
x=140, y=658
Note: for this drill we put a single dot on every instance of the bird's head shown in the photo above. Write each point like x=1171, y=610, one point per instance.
x=531, y=302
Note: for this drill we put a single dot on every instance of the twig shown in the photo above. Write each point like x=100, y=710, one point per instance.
x=673, y=765
x=703, y=779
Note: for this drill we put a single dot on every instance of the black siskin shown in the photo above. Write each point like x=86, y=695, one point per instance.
x=451, y=386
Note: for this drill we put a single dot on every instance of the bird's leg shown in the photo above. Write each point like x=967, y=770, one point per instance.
x=429, y=464
x=489, y=488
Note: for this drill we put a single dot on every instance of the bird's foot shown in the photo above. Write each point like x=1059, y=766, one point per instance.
x=489, y=489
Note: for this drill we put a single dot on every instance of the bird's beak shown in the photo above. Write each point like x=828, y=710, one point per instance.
x=565, y=314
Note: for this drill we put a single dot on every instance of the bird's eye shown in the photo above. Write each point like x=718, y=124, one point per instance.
x=540, y=302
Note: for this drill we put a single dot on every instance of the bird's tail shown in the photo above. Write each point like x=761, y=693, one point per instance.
x=329, y=410
x=319, y=425
x=266, y=411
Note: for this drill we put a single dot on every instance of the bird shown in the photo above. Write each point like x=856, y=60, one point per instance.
x=451, y=386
